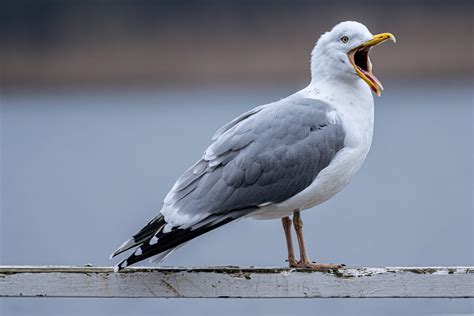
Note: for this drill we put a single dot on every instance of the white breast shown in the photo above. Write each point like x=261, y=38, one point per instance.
x=354, y=109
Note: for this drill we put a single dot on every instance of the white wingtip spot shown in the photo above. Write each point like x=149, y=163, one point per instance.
x=120, y=266
x=153, y=241
x=168, y=227
x=138, y=252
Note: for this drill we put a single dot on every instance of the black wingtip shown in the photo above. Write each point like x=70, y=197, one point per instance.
x=170, y=240
x=160, y=241
x=145, y=234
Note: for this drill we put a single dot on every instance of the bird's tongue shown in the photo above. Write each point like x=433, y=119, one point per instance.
x=372, y=78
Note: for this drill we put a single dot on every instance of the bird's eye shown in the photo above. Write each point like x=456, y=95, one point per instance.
x=344, y=39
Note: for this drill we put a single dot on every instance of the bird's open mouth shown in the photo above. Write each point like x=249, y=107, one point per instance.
x=359, y=58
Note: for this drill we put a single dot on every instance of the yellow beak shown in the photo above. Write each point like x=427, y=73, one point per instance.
x=365, y=71
x=379, y=38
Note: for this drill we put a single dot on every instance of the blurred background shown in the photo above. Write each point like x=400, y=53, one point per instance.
x=104, y=103
x=57, y=42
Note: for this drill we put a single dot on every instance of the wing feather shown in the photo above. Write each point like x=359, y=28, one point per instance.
x=264, y=156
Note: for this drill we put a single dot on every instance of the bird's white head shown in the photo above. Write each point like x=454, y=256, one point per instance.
x=343, y=53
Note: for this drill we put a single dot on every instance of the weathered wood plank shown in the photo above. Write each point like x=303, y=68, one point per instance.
x=237, y=282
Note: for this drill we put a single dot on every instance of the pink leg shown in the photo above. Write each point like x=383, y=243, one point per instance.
x=286, y=221
x=304, y=260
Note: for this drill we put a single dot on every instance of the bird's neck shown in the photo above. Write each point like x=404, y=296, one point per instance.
x=340, y=92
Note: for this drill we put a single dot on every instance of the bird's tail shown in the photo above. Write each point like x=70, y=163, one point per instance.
x=152, y=241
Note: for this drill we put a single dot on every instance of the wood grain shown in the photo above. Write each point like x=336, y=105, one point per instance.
x=237, y=282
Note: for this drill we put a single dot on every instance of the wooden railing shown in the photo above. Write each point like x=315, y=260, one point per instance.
x=237, y=282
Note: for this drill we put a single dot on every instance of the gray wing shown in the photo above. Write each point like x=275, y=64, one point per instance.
x=266, y=155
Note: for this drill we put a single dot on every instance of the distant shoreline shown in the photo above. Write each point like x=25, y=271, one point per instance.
x=228, y=41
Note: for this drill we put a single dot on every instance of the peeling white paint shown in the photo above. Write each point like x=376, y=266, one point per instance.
x=237, y=282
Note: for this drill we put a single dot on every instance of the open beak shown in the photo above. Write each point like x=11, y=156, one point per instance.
x=359, y=58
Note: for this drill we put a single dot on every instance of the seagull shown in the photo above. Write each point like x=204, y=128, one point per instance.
x=277, y=159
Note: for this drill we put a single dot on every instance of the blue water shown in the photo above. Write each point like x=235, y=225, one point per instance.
x=82, y=170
